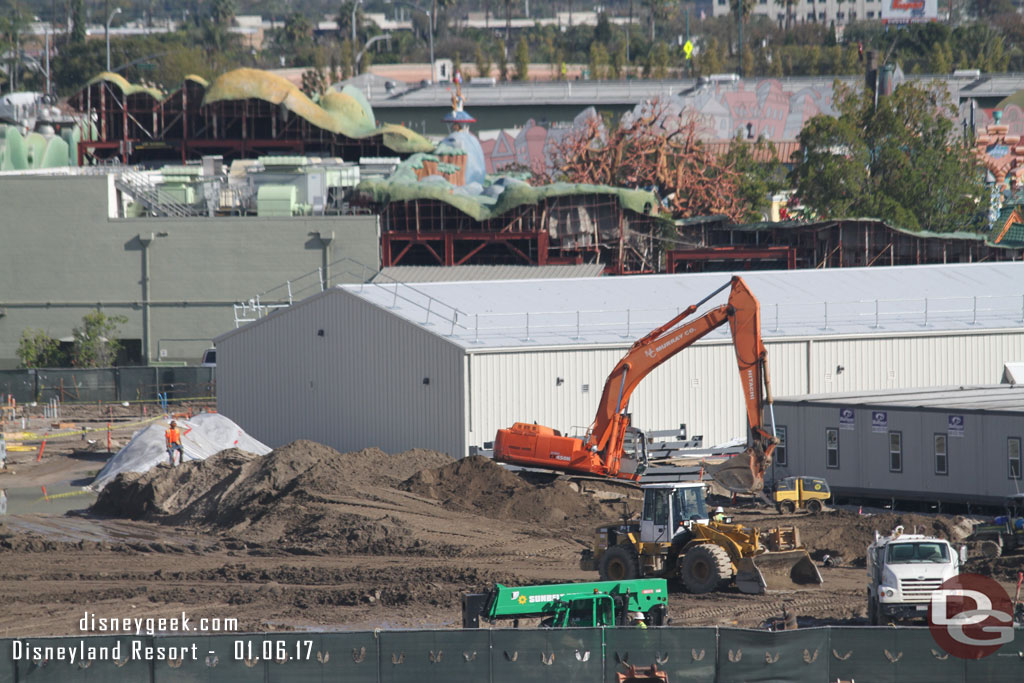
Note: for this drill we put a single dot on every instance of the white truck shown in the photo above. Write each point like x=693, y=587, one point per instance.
x=903, y=570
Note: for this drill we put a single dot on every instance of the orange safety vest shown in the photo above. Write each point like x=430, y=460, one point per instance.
x=172, y=436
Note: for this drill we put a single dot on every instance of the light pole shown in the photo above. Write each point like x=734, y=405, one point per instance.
x=117, y=10
x=355, y=66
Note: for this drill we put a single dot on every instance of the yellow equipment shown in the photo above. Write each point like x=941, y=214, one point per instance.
x=801, y=493
x=674, y=538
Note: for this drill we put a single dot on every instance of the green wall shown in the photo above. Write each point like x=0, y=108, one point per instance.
x=61, y=256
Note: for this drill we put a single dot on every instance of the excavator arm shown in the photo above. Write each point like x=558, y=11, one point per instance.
x=601, y=451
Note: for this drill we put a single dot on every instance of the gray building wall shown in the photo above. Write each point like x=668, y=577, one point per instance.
x=978, y=470
x=360, y=384
x=61, y=256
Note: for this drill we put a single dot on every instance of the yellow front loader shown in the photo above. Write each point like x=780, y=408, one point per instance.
x=675, y=538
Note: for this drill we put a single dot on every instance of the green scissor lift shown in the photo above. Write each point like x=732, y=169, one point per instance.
x=592, y=604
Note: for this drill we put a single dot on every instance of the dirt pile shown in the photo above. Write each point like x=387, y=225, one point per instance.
x=476, y=484
x=847, y=535
x=304, y=496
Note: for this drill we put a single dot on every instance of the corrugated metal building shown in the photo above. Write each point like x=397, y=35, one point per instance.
x=957, y=444
x=445, y=365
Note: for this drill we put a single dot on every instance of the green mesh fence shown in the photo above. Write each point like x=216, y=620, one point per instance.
x=706, y=655
x=72, y=385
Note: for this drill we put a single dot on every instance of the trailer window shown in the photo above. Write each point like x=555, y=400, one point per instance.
x=895, y=451
x=1013, y=455
x=926, y=551
x=780, y=449
x=941, y=457
x=832, y=448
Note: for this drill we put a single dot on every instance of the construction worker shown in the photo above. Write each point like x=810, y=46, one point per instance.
x=719, y=515
x=172, y=438
x=639, y=620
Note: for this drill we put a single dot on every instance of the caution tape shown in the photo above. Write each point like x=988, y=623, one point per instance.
x=69, y=494
x=29, y=437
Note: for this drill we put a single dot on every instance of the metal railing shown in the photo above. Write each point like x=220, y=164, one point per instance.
x=284, y=295
x=857, y=316
x=142, y=187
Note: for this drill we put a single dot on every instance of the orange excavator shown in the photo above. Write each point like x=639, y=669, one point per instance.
x=611, y=448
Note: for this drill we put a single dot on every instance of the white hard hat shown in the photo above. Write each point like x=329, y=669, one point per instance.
x=719, y=509
x=639, y=615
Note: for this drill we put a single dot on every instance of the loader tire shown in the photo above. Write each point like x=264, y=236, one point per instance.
x=814, y=506
x=786, y=507
x=705, y=568
x=618, y=563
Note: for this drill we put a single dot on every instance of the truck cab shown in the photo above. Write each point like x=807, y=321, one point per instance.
x=903, y=570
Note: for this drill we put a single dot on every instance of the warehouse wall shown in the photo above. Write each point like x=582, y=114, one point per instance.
x=61, y=256
x=360, y=384
x=700, y=386
x=977, y=461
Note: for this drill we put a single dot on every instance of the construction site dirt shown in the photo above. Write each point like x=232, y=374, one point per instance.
x=309, y=538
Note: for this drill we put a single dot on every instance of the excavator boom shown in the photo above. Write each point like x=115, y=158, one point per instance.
x=605, y=447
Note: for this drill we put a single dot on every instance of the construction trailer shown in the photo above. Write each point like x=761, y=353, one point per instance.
x=947, y=445
x=445, y=365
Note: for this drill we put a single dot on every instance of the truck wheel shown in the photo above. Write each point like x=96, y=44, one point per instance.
x=704, y=568
x=786, y=507
x=814, y=506
x=618, y=563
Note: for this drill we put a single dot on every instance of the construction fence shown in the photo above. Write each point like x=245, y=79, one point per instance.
x=697, y=655
x=77, y=385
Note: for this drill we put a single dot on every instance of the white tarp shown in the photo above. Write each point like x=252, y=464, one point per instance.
x=202, y=436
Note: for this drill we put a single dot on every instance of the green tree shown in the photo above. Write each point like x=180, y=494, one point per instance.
x=522, y=59
x=618, y=61
x=95, y=345
x=222, y=12
x=760, y=175
x=656, y=10
x=598, y=61
x=37, y=349
x=502, y=60
x=483, y=60
x=660, y=60
x=901, y=161
x=77, y=36
x=712, y=58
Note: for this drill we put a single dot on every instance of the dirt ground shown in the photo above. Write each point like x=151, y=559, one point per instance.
x=308, y=538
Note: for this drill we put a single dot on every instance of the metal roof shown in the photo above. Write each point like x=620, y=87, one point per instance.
x=991, y=398
x=877, y=301
x=465, y=273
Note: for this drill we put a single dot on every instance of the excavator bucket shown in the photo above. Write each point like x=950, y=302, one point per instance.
x=642, y=674
x=740, y=473
x=784, y=570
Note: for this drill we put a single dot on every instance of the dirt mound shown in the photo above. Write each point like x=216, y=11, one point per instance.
x=847, y=534
x=476, y=484
x=304, y=496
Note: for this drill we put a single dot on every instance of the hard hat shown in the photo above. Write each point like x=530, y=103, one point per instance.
x=719, y=509
x=639, y=616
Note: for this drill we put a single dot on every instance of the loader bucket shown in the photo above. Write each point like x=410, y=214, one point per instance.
x=739, y=474
x=786, y=570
